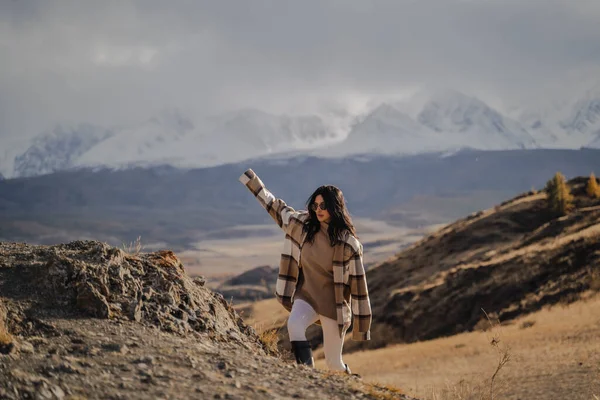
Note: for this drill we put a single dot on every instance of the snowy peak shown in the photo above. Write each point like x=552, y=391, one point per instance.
x=386, y=122
x=585, y=118
x=388, y=130
x=153, y=139
x=466, y=117
x=58, y=149
x=565, y=123
x=384, y=130
x=171, y=138
x=440, y=121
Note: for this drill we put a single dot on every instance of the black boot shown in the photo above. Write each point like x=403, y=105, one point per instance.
x=303, y=352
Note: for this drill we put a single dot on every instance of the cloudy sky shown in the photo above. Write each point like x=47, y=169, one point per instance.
x=120, y=62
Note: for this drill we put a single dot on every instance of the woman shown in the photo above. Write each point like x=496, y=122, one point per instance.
x=321, y=271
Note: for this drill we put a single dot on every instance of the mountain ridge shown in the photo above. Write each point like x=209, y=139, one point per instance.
x=444, y=121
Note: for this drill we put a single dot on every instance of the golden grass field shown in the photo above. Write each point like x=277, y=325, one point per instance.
x=554, y=354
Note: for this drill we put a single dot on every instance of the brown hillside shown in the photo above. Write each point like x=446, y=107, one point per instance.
x=508, y=261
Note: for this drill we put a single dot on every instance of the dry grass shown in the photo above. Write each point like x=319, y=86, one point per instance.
x=269, y=339
x=5, y=336
x=594, y=277
x=264, y=314
x=378, y=391
x=267, y=323
x=556, y=357
x=133, y=248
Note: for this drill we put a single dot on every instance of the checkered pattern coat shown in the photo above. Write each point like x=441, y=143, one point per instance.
x=348, y=270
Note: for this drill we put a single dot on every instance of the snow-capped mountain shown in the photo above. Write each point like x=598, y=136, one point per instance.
x=467, y=120
x=442, y=121
x=169, y=138
x=157, y=139
x=386, y=130
x=584, y=121
x=58, y=149
x=250, y=133
x=564, y=123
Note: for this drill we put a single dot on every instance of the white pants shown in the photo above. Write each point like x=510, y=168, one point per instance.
x=303, y=316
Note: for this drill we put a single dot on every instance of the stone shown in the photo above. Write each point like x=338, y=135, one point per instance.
x=135, y=310
x=8, y=348
x=90, y=300
x=199, y=280
x=115, y=347
x=26, y=347
x=145, y=360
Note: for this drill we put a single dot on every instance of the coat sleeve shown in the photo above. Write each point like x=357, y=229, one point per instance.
x=277, y=208
x=359, y=293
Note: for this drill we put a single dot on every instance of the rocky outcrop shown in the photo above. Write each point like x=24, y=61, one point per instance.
x=105, y=282
x=87, y=320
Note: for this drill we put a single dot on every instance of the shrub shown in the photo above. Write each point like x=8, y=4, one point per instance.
x=593, y=190
x=560, y=199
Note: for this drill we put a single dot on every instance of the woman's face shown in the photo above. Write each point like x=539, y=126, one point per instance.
x=322, y=215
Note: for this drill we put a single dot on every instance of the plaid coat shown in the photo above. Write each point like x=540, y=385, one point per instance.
x=348, y=271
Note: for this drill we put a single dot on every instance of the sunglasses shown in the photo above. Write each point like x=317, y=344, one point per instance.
x=315, y=206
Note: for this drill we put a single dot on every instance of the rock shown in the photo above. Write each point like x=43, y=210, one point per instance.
x=68, y=368
x=90, y=300
x=135, y=310
x=92, y=350
x=8, y=348
x=26, y=347
x=147, y=293
x=115, y=347
x=57, y=391
x=199, y=280
x=37, y=340
x=145, y=360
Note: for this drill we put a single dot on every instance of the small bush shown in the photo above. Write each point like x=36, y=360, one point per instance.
x=134, y=248
x=269, y=338
x=592, y=189
x=560, y=199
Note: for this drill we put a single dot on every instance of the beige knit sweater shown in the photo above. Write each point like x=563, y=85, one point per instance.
x=315, y=284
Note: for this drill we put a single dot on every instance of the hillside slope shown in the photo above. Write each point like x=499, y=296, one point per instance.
x=509, y=260
x=86, y=320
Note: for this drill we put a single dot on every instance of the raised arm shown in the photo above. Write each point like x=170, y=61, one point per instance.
x=283, y=214
x=359, y=293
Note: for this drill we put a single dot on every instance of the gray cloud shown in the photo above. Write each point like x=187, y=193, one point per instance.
x=114, y=62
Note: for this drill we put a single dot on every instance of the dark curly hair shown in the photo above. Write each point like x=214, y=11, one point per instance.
x=336, y=206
